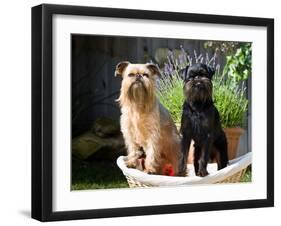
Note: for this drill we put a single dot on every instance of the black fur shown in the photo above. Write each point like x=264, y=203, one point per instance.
x=201, y=121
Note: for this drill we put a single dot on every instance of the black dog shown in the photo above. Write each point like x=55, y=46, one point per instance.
x=201, y=121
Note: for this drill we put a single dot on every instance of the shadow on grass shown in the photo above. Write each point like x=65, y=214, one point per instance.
x=96, y=174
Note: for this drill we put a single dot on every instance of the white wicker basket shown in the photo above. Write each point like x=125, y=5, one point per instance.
x=231, y=174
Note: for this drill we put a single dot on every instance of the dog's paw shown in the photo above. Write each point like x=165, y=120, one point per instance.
x=131, y=163
x=150, y=171
x=182, y=174
x=202, y=173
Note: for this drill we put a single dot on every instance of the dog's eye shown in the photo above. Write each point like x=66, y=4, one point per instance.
x=146, y=75
x=131, y=75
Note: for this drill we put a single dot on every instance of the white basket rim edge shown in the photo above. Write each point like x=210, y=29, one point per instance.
x=234, y=166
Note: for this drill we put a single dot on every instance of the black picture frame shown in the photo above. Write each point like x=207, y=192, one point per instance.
x=42, y=111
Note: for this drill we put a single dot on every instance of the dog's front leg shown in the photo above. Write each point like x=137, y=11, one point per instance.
x=204, y=157
x=221, y=145
x=197, y=155
x=134, y=153
x=151, y=166
x=185, y=144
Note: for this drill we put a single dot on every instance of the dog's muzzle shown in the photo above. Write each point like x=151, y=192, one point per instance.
x=198, y=84
x=139, y=78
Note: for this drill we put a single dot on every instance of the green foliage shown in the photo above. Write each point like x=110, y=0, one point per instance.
x=230, y=100
x=239, y=65
x=247, y=176
x=170, y=94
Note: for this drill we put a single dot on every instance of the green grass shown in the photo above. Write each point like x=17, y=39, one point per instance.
x=248, y=175
x=96, y=174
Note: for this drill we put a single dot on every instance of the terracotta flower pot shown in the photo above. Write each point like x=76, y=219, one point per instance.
x=233, y=136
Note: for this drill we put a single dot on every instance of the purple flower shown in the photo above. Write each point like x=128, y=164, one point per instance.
x=168, y=69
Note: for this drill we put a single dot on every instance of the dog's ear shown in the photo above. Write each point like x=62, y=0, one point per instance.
x=211, y=71
x=154, y=69
x=120, y=67
x=183, y=73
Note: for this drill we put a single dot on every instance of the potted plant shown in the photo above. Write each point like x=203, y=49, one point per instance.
x=230, y=95
x=231, y=102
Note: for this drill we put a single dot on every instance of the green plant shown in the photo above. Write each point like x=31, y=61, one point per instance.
x=230, y=100
x=239, y=66
x=170, y=94
x=248, y=175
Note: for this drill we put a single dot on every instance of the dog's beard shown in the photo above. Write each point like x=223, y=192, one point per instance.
x=139, y=95
x=198, y=94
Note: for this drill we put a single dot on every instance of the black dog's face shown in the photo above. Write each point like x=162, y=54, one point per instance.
x=197, y=83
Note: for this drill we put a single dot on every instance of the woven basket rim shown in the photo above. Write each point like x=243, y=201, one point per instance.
x=234, y=167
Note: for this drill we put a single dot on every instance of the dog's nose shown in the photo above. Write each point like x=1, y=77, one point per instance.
x=138, y=76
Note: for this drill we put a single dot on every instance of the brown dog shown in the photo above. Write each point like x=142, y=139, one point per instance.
x=147, y=127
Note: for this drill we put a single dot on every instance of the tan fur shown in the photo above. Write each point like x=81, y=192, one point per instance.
x=146, y=125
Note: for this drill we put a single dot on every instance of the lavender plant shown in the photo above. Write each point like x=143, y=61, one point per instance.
x=170, y=94
x=230, y=100
x=229, y=95
x=170, y=86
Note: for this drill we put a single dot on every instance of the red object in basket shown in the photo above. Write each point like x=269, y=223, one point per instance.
x=168, y=170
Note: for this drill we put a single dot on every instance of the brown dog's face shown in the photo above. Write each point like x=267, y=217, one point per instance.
x=138, y=84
